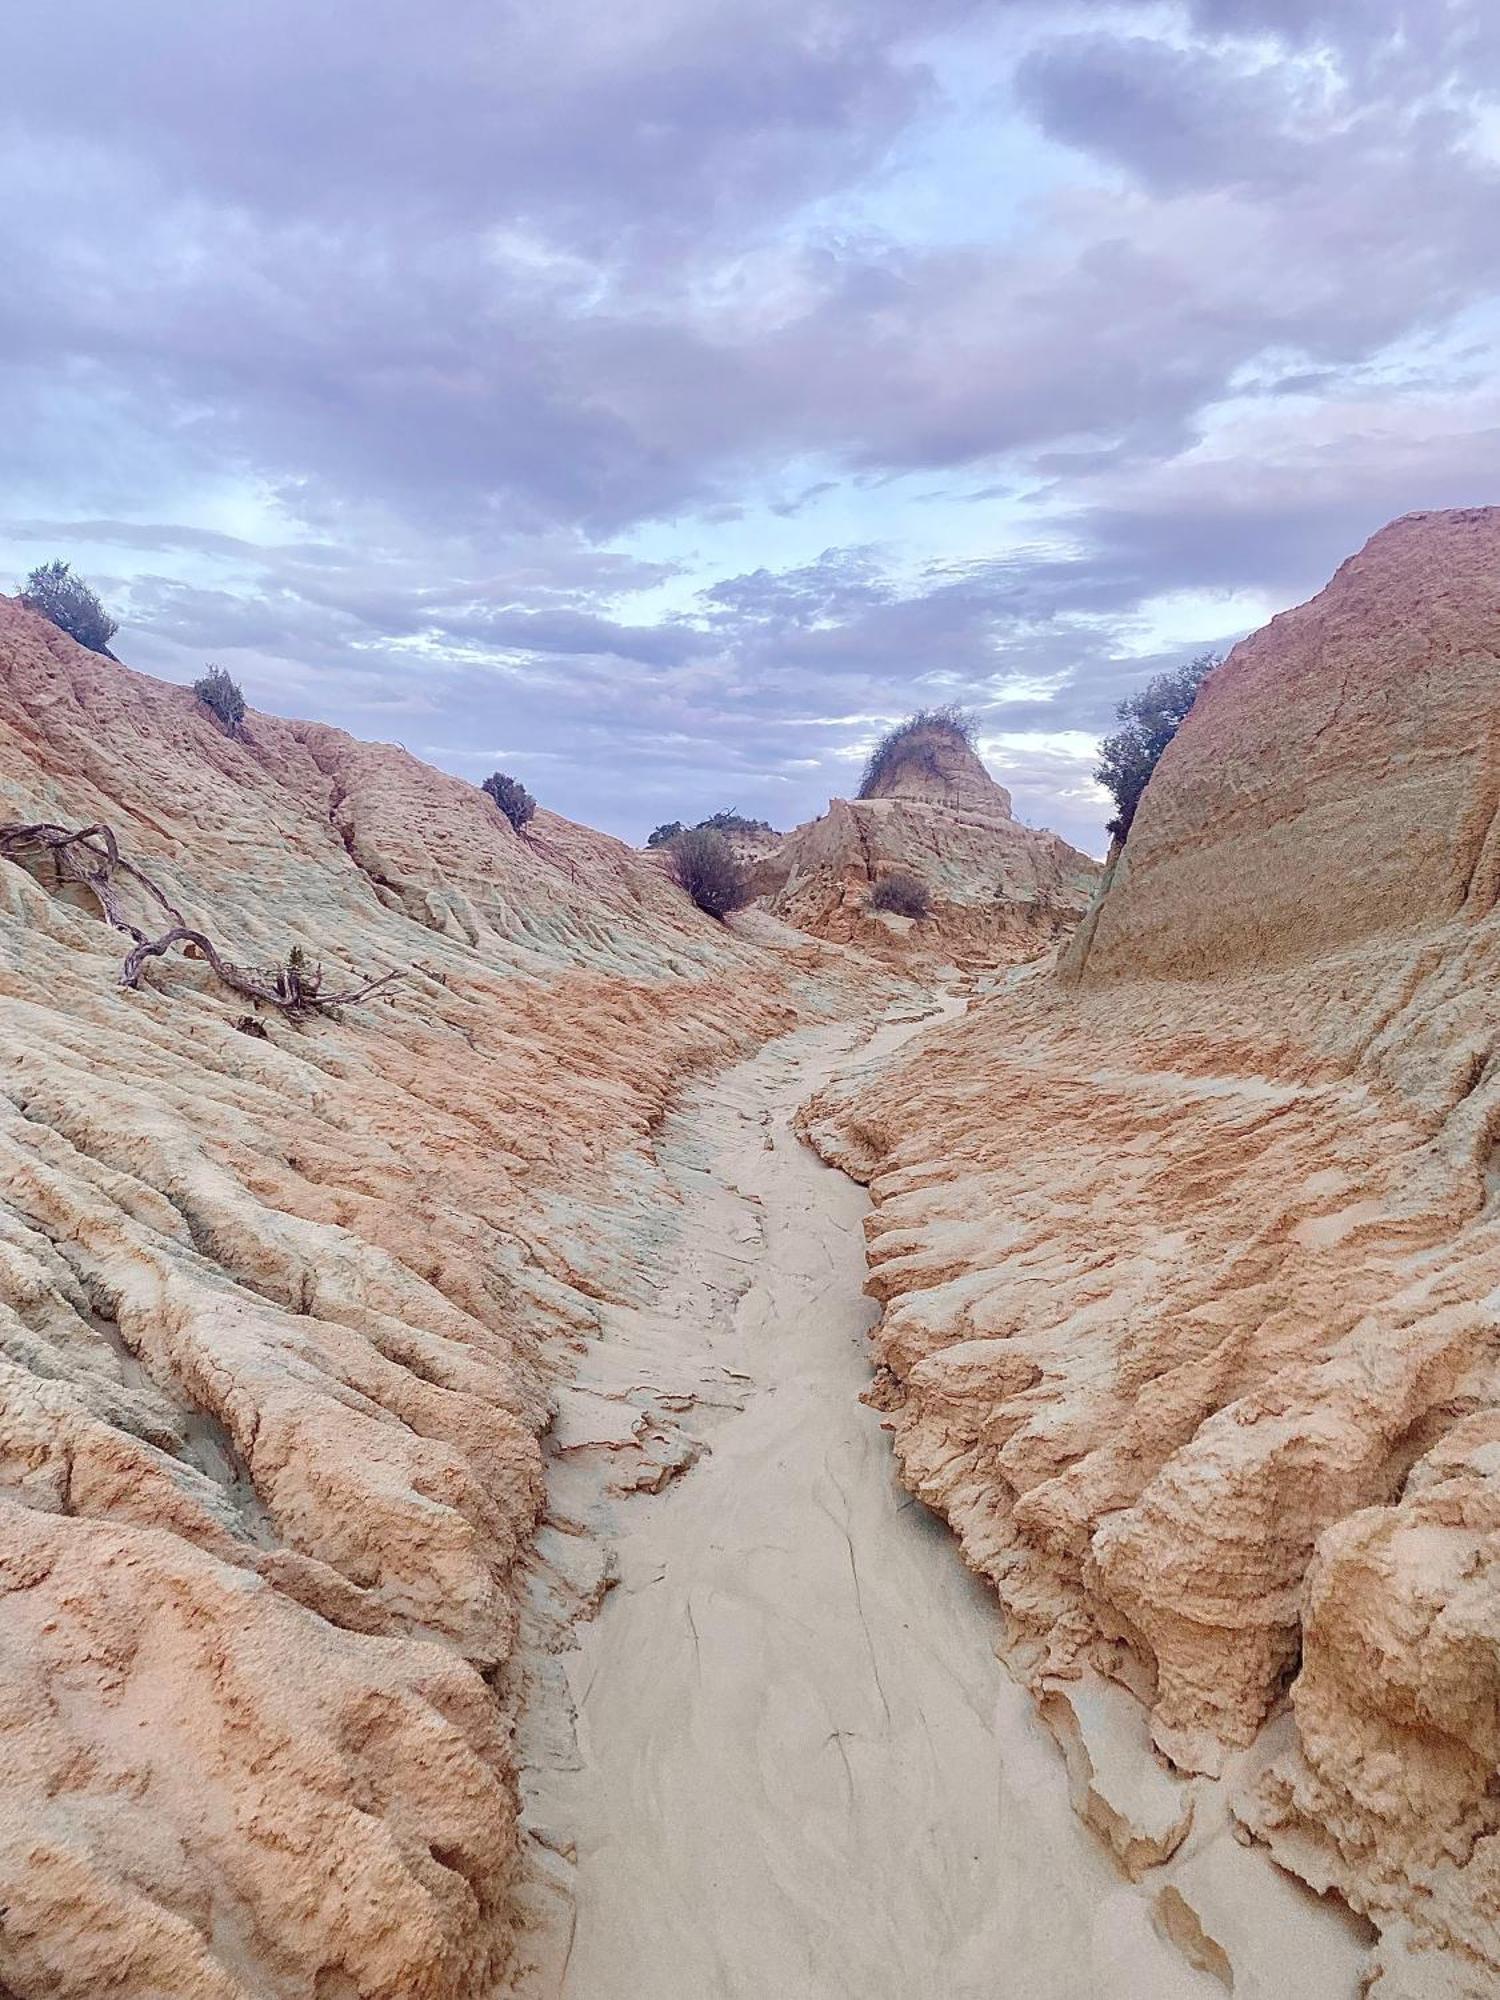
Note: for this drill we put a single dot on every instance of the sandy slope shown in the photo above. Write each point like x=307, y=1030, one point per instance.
x=800, y=1770
x=279, y=1305
x=1191, y=1262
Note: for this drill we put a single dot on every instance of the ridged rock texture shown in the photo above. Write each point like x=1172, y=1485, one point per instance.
x=1000, y=892
x=276, y=1300
x=1190, y=1257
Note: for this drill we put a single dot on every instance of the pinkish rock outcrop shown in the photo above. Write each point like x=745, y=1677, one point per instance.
x=1000, y=892
x=1190, y=1258
x=280, y=1306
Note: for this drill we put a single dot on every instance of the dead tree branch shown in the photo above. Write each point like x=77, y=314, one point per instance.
x=91, y=857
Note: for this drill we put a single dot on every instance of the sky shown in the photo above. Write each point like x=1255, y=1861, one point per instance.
x=658, y=401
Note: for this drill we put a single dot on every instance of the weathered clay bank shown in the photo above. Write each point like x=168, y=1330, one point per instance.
x=1190, y=1256
x=1000, y=891
x=281, y=1307
x=322, y=1337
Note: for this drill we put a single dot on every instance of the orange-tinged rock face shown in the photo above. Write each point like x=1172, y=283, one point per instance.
x=1190, y=1256
x=936, y=765
x=279, y=1307
x=998, y=893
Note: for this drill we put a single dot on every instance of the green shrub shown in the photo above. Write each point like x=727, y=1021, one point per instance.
x=511, y=796
x=903, y=894
x=727, y=821
x=904, y=744
x=704, y=865
x=730, y=821
x=67, y=600
x=219, y=693
x=1150, y=718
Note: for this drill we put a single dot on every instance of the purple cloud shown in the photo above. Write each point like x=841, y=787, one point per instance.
x=669, y=383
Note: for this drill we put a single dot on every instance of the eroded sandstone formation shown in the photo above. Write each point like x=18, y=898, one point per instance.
x=280, y=1304
x=1001, y=892
x=1190, y=1259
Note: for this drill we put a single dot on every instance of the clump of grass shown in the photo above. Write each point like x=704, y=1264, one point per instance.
x=511, y=796
x=703, y=863
x=902, y=894
x=222, y=696
x=67, y=600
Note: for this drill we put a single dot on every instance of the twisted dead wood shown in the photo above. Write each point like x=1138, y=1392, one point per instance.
x=91, y=857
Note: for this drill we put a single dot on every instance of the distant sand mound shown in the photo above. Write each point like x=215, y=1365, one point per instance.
x=999, y=892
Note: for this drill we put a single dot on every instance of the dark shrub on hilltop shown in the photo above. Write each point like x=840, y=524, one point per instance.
x=222, y=696
x=511, y=796
x=727, y=821
x=905, y=744
x=704, y=864
x=1150, y=718
x=73, y=608
x=903, y=894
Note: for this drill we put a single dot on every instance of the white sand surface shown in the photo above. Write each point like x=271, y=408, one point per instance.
x=800, y=1769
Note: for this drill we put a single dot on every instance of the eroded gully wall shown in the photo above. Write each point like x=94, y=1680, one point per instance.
x=1190, y=1256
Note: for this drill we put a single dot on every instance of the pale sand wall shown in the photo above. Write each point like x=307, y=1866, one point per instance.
x=279, y=1324
x=1190, y=1259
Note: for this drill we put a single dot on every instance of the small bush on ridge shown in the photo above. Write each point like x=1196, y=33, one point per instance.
x=895, y=747
x=511, y=796
x=704, y=865
x=729, y=821
x=221, y=694
x=73, y=608
x=903, y=894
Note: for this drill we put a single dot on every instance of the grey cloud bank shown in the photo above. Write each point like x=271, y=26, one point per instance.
x=659, y=399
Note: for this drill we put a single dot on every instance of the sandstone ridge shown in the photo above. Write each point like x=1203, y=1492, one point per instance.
x=1189, y=1257
x=282, y=1304
x=1000, y=892
x=931, y=760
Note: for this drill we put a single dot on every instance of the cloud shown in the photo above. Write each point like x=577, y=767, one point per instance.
x=581, y=382
x=581, y=117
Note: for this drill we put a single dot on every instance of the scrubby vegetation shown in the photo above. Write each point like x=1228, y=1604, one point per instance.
x=704, y=865
x=511, y=796
x=902, y=894
x=905, y=744
x=90, y=857
x=221, y=694
x=1150, y=718
x=67, y=600
x=727, y=821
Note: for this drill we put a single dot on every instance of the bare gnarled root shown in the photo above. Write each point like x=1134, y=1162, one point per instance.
x=90, y=856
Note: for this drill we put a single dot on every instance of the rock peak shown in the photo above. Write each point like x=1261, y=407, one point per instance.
x=931, y=759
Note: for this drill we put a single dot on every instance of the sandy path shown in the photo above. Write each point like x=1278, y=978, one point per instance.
x=802, y=1771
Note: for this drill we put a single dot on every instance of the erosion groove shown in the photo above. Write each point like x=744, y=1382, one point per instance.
x=1190, y=1270
x=798, y=1766
x=262, y=1533
x=455, y=1542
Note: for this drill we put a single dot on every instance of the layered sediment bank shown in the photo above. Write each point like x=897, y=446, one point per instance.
x=1189, y=1260
x=444, y=1550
